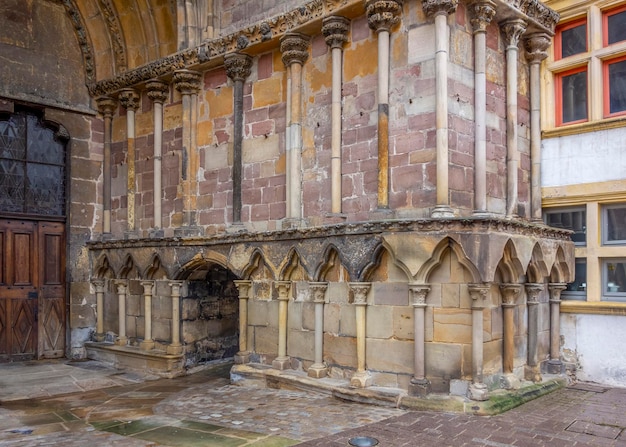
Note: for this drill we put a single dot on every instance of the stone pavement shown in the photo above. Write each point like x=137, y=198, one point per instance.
x=87, y=403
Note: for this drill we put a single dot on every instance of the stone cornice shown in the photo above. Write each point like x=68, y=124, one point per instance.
x=426, y=226
x=540, y=15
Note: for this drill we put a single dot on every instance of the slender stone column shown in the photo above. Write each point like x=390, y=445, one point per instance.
x=440, y=9
x=106, y=107
x=335, y=30
x=480, y=299
x=382, y=15
x=244, y=287
x=361, y=377
x=238, y=69
x=536, y=46
x=555, y=365
x=420, y=385
x=158, y=93
x=482, y=13
x=282, y=361
x=295, y=50
x=99, y=286
x=148, y=342
x=512, y=29
x=129, y=98
x=175, y=347
x=510, y=293
x=122, y=289
x=319, y=368
x=532, y=302
x=187, y=82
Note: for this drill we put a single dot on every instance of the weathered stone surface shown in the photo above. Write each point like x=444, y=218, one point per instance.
x=389, y=355
x=452, y=325
x=391, y=293
x=379, y=322
x=340, y=351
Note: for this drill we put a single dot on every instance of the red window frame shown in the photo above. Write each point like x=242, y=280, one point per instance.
x=605, y=23
x=606, y=90
x=558, y=85
x=558, y=44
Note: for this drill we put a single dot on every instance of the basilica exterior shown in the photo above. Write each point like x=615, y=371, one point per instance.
x=339, y=190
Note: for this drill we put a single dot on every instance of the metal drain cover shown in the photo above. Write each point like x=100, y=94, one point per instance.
x=589, y=428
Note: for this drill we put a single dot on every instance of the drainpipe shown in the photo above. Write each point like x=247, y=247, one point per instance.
x=106, y=107
x=482, y=13
x=512, y=29
x=440, y=10
x=237, y=69
x=130, y=100
x=157, y=92
x=536, y=46
x=335, y=30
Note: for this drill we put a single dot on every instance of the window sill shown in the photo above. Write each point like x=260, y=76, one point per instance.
x=593, y=307
x=589, y=126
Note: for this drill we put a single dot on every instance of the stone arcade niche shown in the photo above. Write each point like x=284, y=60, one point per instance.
x=210, y=315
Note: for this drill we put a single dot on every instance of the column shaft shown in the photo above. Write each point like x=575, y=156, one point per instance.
x=106, y=106
x=99, y=286
x=244, y=287
x=510, y=294
x=129, y=98
x=533, y=291
x=555, y=365
x=480, y=298
x=318, y=290
x=157, y=92
x=282, y=361
x=121, y=295
x=147, y=342
x=175, y=347
x=361, y=377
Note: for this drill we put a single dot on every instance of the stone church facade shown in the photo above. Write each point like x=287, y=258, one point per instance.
x=336, y=188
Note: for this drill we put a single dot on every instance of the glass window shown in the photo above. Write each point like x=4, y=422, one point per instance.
x=614, y=224
x=615, y=26
x=577, y=290
x=572, y=96
x=571, y=219
x=615, y=80
x=614, y=279
x=572, y=39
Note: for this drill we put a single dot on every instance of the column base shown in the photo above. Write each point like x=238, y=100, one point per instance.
x=242, y=357
x=419, y=387
x=147, y=345
x=121, y=341
x=532, y=373
x=317, y=371
x=99, y=337
x=478, y=391
x=361, y=379
x=441, y=211
x=510, y=382
x=555, y=366
x=174, y=349
x=282, y=363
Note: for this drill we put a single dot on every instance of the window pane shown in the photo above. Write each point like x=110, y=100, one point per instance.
x=570, y=220
x=616, y=224
x=574, y=40
x=578, y=288
x=615, y=278
x=617, y=27
x=574, y=94
x=617, y=86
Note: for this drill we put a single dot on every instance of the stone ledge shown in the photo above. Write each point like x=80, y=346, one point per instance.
x=154, y=362
x=257, y=375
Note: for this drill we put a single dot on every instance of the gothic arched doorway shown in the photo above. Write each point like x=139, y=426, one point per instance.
x=32, y=237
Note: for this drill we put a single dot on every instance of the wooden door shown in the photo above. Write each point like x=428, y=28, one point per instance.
x=32, y=290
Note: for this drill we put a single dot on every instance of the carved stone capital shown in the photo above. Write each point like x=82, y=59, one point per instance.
x=532, y=292
x=129, y=98
x=335, y=30
x=106, y=106
x=510, y=293
x=243, y=286
x=176, y=286
x=122, y=286
x=555, y=290
x=283, y=288
x=187, y=82
x=318, y=290
x=481, y=12
x=513, y=30
x=435, y=7
x=536, y=46
x=360, y=289
x=158, y=91
x=418, y=294
x=295, y=48
x=237, y=66
x=479, y=294
x=147, y=287
x=382, y=15
x=98, y=284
